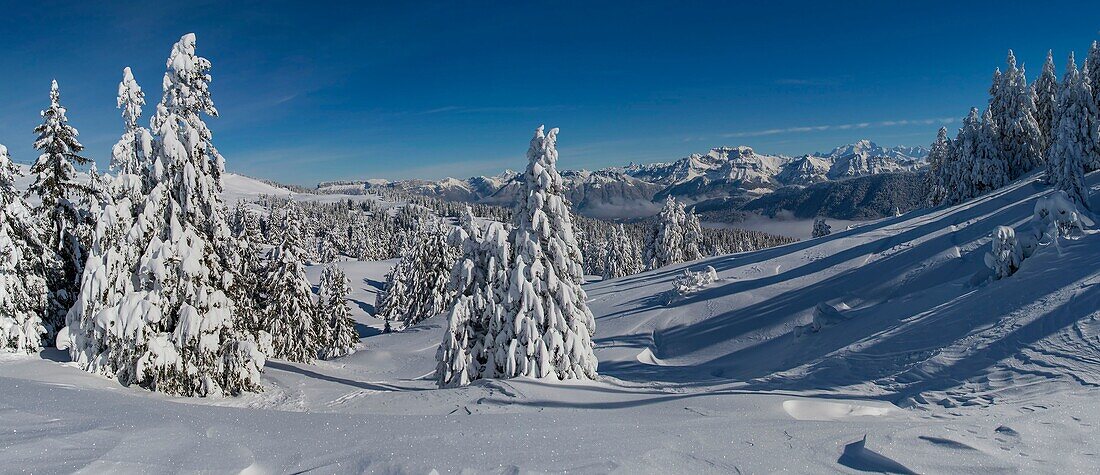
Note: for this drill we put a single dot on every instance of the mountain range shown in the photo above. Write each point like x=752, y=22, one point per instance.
x=723, y=178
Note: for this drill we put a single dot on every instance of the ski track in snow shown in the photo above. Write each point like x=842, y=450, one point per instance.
x=930, y=370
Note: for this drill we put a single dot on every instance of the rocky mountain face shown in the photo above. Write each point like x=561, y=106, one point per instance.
x=724, y=177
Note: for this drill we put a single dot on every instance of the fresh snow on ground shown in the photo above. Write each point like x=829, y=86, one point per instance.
x=923, y=365
x=783, y=224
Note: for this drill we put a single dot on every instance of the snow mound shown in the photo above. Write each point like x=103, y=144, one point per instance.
x=824, y=410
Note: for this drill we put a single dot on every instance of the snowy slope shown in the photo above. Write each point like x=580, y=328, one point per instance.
x=239, y=187
x=917, y=325
x=924, y=367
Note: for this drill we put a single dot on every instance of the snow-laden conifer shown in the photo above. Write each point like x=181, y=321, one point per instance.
x=332, y=304
x=475, y=343
x=391, y=303
x=1074, y=136
x=693, y=235
x=154, y=309
x=248, y=287
x=939, y=164
x=990, y=168
x=59, y=193
x=622, y=257
x=297, y=331
x=1046, y=96
x=553, y=325
x=1012, y=109
x=417, y=288
x=22, y=269
x=131, y=154
x=1091, y=72
x=495, y=326
x=821, y=228
x=961, y=186
x=665, y=243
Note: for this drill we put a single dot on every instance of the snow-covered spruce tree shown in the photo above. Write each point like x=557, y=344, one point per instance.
x=131, y=155
x=1013, y=109
x=1092, y=126
x=290, y=316
x=479, y=339
x=1045, y=90
x=59, y=192
x=1074, y=136
x=1091, y=72
x=960, y=186
x=492, y=352
x=469, y=280
x=393, y=300
x=454, y=361
x=167, y=322
x=939, y=164
x=417, y=287
x=622, y=257
x=693, y=235
x=1005, y=256
x=553, y=326
x=665, y=244
x=332, y=304
x=821, y=228
x=22, y=269
x=248, y=285
x=990, y=168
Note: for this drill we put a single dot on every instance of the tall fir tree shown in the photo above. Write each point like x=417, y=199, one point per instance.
x=990, y=168
x=1091, y=125
x=547, y=306
x=59, y=193
x=693, y=235
x=131, y=154
x=455, y=355
x=297, y=331
x=1046, y=96
x=1012, y=110
x=417, y=288
x=664, y=244
x=23, y=289
x=168, y=323
x=961, y=184
x=940, y=158
x=1074, y=138
x=394, y=297
x=248, y=285
x=1091, y=72
x=332, y=303
x=622, y=257
x=476, y=342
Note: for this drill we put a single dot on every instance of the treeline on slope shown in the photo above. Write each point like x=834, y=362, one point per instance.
x=860, y=198
x=1046, y=125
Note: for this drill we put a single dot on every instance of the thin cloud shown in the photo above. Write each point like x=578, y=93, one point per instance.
x=492, y=109
x=822, y=128
x=807, y=82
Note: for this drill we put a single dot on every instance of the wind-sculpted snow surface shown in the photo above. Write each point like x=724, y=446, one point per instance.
x=921, y=321
x=922, y=364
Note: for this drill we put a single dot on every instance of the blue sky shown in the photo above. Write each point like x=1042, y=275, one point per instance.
x=310, y=91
